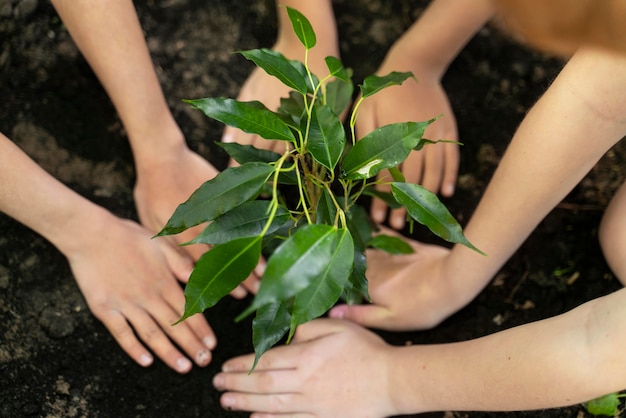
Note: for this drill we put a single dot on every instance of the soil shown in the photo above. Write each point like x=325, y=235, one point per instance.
x=57, y=360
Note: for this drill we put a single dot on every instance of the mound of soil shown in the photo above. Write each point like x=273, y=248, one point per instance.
x=57, y=360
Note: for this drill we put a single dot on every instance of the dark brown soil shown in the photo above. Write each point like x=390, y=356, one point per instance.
x=57, y=360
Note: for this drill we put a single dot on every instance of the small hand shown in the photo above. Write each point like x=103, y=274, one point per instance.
x=408, y=291
x=269, y=90
x=130, y=284
x=436, y=165
x=162, y=187
x=331, y=369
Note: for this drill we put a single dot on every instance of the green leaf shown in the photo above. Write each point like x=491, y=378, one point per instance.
x=424, y=206
x=356, y=290
x=336, y=69
x=250, y=117
x=294, y=264
x=606, y=405
x=302, y=28
x=227, y=190
x=275, y=64
x=326, y=288
x=382, y=148
x=327, y=137
x=339, y=95
x=268, y=327
x=384, y=196
x=373, y=83
x=391, y=244
x=292, y=108
x=246, y=220
x=326, y=211
x=361, y=226
x=248, y=153
x=396, y=174
x=218, y=272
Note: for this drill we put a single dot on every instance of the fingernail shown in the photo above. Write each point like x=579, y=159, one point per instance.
x=209, y=342
x=218, y=381
x=228, y=402
x=378, y=216
x=337, y=313
x=183, y=365
x=448, y=190
x=203, y=357
x=145, y=360
x=397, y=222
x=227, y=138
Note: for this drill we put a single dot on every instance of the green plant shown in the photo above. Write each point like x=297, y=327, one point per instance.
x=607, y=405
x=310, y=227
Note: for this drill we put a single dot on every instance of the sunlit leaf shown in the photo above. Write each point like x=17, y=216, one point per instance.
x=218, y=272
x=382, y=148
x=227, y=190
x=250, y=117
x=326, y=288
x=270, y=324
x=373, y=83
x=425, y=207
x=302, y=28
x=294, y=264
x=327, y=136
x=391, y=244
x=246, y=220
x=275, y=64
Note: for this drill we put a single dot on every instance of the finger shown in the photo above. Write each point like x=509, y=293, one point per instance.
x=259, y=381
x=372, y=316
x=239, y=292
x=280, y=357
x=121, y=331
x=275, y=405
x=451, y=169
x=397, y=218
x=153, y=336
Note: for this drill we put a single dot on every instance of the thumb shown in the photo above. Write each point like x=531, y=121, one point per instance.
x=372, y=316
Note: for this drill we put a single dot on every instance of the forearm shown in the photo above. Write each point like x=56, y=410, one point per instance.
x=577, y=120
x=109, y=35
x=439, y=34
x=33, y=197
x=560, y=361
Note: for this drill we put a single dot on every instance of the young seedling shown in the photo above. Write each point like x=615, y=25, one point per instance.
x=311, y=228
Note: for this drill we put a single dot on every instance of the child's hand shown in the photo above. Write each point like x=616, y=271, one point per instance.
x=269, y=90
x=130, y=284
x=436, y=165
x=330, y=369
x=408, y=291
x=162, y=187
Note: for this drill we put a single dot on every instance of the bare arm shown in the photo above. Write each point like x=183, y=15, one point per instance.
x=129, y=281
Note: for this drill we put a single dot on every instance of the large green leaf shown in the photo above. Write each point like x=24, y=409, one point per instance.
x=327, y=137
x=218, y=272
x=227, y=190
x=251, y=117
x=326, y=288
x=336, y=69
x=268, y=327
x=425, y=207
x=339, y=95
x=382, y=148
x=246, y=220
x=373, y=83
x=275, y=64
x=294, y=264
x=302, y=28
